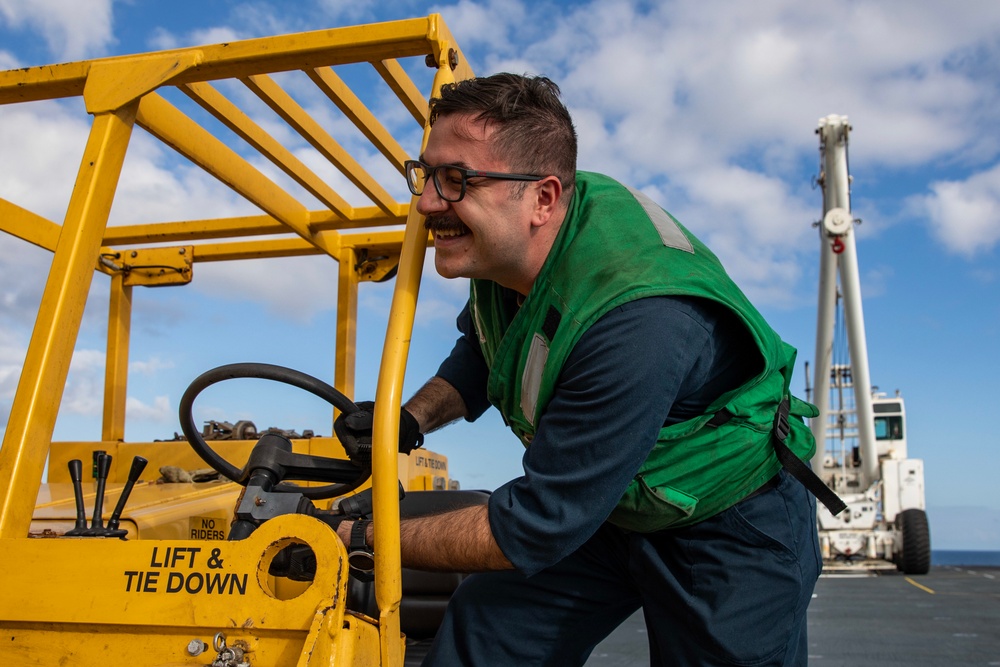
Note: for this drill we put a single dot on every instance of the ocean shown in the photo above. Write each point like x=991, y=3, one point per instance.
x=968, y=558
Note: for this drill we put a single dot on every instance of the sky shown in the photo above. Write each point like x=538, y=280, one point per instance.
x=708, y=106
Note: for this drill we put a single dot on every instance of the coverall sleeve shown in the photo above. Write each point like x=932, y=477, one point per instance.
x=615, y=392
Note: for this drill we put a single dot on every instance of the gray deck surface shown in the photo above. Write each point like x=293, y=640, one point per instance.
x=949, y=618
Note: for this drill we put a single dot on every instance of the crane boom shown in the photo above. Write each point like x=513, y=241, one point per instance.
x=839, y=258
x=861, y=449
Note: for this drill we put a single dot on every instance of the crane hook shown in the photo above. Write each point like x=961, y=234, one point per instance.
x=838, y=246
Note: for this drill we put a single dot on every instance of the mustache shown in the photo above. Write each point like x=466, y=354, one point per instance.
x=442, y=223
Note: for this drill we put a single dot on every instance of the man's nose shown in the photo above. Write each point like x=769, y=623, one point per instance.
x=430, y=201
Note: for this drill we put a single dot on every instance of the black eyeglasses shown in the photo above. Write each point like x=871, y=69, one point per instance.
x=451, y=181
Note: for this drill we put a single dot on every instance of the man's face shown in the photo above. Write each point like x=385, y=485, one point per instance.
x=485, y=235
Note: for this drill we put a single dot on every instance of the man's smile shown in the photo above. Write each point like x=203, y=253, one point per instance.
x=446, y=227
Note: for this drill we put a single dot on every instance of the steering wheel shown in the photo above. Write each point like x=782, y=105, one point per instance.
x=303, y=467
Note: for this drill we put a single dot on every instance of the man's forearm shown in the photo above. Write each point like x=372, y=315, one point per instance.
x=457, y=541
x=435, y=404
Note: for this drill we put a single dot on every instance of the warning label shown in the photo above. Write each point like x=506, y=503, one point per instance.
x=432, y=463
x=185, y=570
x=206, y=528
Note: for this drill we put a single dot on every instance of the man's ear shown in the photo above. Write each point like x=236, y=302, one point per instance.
x=548, y=193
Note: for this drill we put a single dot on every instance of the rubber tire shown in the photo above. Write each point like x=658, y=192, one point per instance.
x=916, y=556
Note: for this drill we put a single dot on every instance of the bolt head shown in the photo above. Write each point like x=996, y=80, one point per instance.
x=196, y=647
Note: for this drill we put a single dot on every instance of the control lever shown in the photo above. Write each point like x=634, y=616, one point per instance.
x=97, y=522
x=138, y=465
x=76, y=474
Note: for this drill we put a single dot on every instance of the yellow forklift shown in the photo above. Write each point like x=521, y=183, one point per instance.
x=101, y=562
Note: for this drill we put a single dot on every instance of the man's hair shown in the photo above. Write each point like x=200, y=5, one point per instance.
x=533, y=131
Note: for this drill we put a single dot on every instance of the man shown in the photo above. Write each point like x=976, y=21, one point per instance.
x=644, y=386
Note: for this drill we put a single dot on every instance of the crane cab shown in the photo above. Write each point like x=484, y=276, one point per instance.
x=890, y=426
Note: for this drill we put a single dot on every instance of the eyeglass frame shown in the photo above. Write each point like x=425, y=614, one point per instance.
x=465, y=173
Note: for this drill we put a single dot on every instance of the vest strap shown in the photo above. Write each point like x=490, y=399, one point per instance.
x=794, y=465
x=719, y=418
x=789, y=461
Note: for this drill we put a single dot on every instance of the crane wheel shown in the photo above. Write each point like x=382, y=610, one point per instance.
x=916, y=555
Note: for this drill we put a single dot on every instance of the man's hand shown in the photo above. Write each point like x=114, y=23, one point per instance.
x=355, y=433
x=297, y=561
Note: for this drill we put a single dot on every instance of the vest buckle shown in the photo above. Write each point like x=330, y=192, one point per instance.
x=781, y=426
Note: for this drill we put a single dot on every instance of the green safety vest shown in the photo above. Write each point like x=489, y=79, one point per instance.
x=617, y=245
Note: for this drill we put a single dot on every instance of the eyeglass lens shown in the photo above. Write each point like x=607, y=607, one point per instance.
x=449, y=181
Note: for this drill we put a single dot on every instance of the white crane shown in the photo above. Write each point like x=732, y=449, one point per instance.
x=861, y=439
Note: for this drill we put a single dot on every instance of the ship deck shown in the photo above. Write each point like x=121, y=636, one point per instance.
x=950, y=616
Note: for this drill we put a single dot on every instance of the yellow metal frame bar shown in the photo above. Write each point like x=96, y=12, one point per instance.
x=215, y=103
x=172, y=127
x=43, y=376
x=388, y=398
x=116, y=366
x=352, y=107
x=298, y=118
x=125, y=91
x=33, y=228
x=321, y=48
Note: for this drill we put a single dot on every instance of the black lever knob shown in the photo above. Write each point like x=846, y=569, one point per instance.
x=76, y=475
x=97, y=521
x=138, y=465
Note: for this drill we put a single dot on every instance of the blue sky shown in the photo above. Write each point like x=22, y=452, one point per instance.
x=710, y=107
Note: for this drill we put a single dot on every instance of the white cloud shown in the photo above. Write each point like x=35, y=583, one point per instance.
x=744, y=71
x=295, y=288
x=735, y=77
x=486, y=24
x=22, y=271
x=84, y=389
x=708, y=105
x=73, y=30
x=85, y=361
x=42, y=144
x=8, y=60
x=84, y=393
x=753, y=222
x=149, y=367
x=163, y=39
x=12, y=351
x=965, y=215
x=713, y=104
x=160, y=411
x=252, y=19
x=151, y=189
x=337, y=12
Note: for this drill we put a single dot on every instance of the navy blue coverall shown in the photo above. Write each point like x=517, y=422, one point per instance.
x=730, y=590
